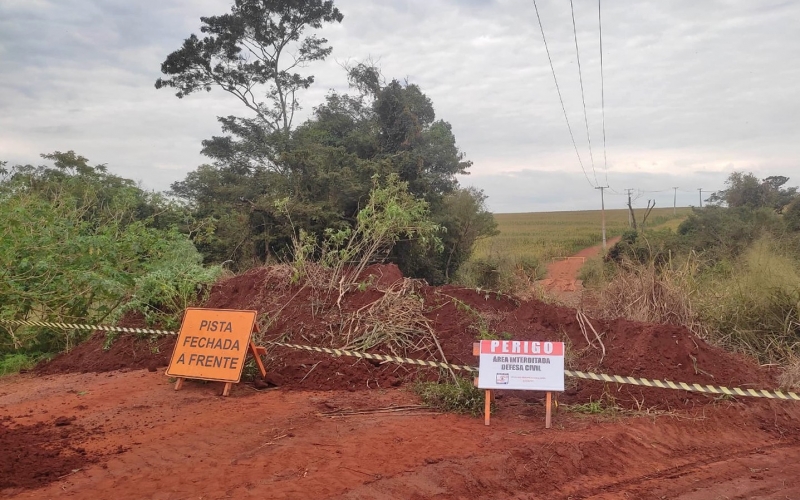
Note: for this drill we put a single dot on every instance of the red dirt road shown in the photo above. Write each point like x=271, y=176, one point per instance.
x=562, y=275
x=148, y=441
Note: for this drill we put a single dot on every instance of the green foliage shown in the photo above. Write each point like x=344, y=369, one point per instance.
x=729, y=274
x=466, y=220
x=243, y=53
x=390, y=214
x=747, y=191
x=460, y=396
x=594, y=272
x=791, y=216
x=15, y=362
x=501, y=271
x=271, y=184
x=754, y=305
x=73, y=243
x=590, y=408
x=171, y=286
x=718, y=233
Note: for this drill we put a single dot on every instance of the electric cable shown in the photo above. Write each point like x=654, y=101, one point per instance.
x=583, y=97
x=560, y=97
x=602, y=91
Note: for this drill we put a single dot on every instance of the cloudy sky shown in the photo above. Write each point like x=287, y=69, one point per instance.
x=693, y=90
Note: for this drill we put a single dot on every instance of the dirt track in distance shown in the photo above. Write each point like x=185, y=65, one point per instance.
x=562, y=280
x=152, y=442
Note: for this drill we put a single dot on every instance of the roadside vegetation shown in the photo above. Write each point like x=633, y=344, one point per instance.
x=730, y=272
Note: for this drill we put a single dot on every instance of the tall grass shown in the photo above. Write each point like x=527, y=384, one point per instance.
x=754, y=305
x=653, y=294
x=750, y=304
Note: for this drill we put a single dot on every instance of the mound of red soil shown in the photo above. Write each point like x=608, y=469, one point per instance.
x=38, y=454
x=296, y=314
x=123, y=351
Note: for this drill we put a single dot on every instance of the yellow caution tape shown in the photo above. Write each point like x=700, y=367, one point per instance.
x=600, y=377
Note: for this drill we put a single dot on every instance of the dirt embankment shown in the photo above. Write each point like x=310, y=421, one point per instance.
x=456, y=316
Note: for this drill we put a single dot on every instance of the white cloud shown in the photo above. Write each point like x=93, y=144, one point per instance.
x=693, y=90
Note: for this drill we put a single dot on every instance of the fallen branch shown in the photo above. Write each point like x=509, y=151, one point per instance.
x=583, y=320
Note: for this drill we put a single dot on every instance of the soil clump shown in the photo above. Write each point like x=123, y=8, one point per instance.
x=37, y=454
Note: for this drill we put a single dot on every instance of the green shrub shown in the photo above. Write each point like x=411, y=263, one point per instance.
x=460, y=396
x=754, y=304
x=163, y=293
x=791, y=216
x=503, y=272
x=13, y=363
x=595, y=272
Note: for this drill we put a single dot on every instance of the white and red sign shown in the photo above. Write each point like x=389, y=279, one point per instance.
x=521, y=365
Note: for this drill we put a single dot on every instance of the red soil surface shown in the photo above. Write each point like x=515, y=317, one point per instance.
x=131, y=436
x=153, y=442
x=562, y=280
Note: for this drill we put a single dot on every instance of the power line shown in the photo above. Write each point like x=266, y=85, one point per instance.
x=602, y=91
x=560, y=98
x=583, y=98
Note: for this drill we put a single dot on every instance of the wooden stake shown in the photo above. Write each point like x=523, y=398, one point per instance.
x=254, y=350
x=487, y=410
x=227, y=389
x=179, y=384
x=549, y=406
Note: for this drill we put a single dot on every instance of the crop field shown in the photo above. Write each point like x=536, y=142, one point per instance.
x=543, y=236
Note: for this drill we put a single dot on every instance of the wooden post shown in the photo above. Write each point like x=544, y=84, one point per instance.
x=547, y=411
x=227, y=389
x=257, y=354
x=179, y=384
x=487, y=410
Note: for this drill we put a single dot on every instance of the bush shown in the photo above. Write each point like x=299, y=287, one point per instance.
x=503, y=272
x=791, y=216
x=653, y=294
x=460, y=396
x=595, y=272
x=724, y=233
x=162, y=294
x=755, y=305
x=14, y=363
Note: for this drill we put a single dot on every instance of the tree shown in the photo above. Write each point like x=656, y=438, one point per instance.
x=253, y=54
x=465, y=220
x=325, y=167
x=746, y=190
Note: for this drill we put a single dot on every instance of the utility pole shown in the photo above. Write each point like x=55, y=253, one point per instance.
x=603, y=209
x=675, y=202
x=700, y=190
x=630, y=210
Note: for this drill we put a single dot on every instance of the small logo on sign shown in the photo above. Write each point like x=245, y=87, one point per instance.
x=502, y=378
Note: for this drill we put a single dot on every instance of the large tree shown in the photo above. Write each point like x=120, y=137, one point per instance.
x=325, y=168
x=254, y=53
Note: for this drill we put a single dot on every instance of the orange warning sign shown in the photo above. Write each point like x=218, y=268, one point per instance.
x=212, y=344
